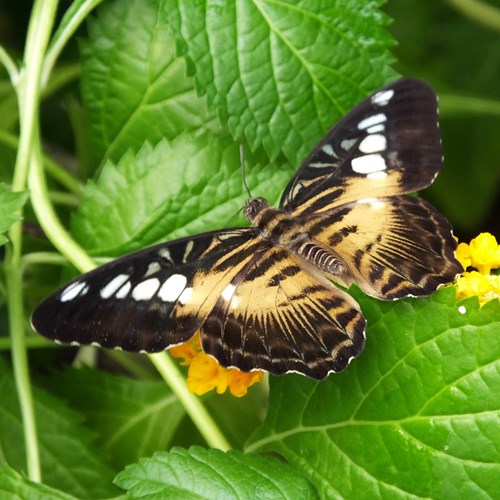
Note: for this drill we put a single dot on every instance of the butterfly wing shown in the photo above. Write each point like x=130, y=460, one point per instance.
x=389, y=144
x=280, y=314
x=350, y=196
x=148, y=300
x=255, y=305
x=392, y=247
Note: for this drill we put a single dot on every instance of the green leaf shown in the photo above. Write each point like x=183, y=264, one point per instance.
x=68, y=459
x=416, y=415
x=199, y=473
x=189, y=186
x=10, y=203
x=133, y=87
x=133, y=418
x=13, y=485
x=282, y=73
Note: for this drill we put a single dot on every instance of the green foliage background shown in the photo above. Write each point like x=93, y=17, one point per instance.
x=141, y=122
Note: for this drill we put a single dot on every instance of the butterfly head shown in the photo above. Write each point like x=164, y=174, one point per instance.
x=253, y=207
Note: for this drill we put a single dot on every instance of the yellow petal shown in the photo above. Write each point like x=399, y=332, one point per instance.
x=485, y=253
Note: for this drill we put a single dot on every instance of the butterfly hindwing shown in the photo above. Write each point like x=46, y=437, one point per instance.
x=388, y=144
x=148, y=300
x=281, y=315
x=392, y=247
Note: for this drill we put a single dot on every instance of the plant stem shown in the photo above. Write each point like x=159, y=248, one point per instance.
x=28, y=90
x=456, y=105
x=194, y=408
x=485, y=14
x=72, y=19
x=9, y=65
x=51, y=225
x=54, y=169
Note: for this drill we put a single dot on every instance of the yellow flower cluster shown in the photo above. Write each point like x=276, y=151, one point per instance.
x=205, y=374
x=482, y=254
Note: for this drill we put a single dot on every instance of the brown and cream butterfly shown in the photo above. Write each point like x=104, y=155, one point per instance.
x=263, y=296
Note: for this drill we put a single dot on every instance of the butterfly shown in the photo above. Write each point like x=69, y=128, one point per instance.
x=266, y=296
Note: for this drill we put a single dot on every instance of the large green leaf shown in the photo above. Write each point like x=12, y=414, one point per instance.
x=189, y=186
x=133, y=87
x=13, y=486
x=133, y=418
x=68, y=459
x=416, y=415
x=281, y=73
x=197, y=473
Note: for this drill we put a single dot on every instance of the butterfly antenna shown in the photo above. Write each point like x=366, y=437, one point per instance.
x=242, y=163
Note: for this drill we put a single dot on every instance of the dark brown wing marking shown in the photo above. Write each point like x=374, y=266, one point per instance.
x=279, y=314
x=393, y=247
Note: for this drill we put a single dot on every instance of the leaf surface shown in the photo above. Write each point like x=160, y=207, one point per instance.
x=416, y=415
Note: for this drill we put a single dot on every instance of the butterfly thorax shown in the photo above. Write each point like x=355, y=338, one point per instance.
x=282, y=228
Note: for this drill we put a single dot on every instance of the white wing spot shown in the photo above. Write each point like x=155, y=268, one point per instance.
x=462, y=309
x=383, y=97
x=186, y=295
x=319, y=165
x=113, y=285
x=373, y=202
x=153, y=268
x=376, y=128
x=188, y=250
x=172, y=288
x=327, y=149
x=124, y=290
x=373, y=143
x=376, y=176
x=228, y=292
x=146, y=289
x=73, y=291
x=372, y=120
x=368, y=164
x=165, y=253
x=347, y=144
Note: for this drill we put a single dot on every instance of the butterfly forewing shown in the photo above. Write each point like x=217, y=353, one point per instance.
x=389, y=144
x=148, y=300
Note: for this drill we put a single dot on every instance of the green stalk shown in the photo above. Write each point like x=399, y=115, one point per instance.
x=53, y=168
x=192, y=404
x=28, y=89
x=72, y=19
x=481, y=12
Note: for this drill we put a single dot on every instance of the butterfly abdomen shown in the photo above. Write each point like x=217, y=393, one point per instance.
x=321, y=258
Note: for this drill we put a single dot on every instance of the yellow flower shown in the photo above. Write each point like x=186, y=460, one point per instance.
x=239, y=381
x=484, y=253
x=205, y=374
x=463, y=255
x=486, y=287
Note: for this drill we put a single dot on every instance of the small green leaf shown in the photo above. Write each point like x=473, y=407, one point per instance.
x=189, y=186
x=13, y=485
x=198, y=473
x=416, y=415
x=68, y=459
x=133, y=87
x=282, y=73
x=10, y=203
x=133, y=418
